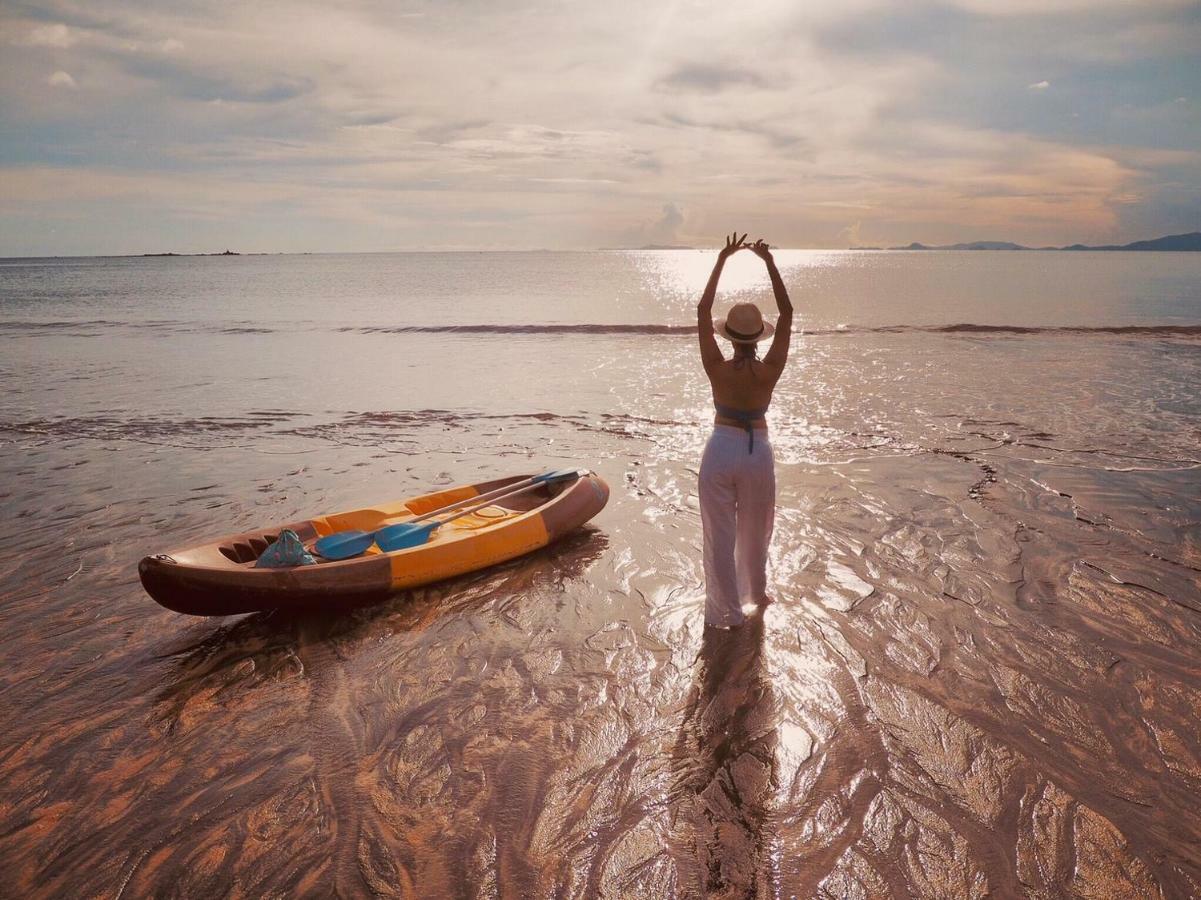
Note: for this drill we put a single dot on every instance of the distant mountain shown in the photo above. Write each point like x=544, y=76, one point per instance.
x=974, y=245
x=1190, y=241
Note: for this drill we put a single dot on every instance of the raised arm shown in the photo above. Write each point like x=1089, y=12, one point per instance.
x=777, y=355
x=710, y=352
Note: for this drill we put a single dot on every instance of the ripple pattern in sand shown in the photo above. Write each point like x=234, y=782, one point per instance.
x=979, y=677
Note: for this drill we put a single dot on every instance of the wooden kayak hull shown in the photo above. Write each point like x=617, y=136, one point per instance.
x=219, y=578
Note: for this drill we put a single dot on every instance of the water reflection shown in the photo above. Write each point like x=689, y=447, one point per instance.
x=277, y=645
x=724, y=768
x=680, y=277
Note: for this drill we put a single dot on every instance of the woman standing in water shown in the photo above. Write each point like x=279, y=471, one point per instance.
x=738, y=477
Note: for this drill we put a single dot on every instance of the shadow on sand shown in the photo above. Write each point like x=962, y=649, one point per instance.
x=724, y=767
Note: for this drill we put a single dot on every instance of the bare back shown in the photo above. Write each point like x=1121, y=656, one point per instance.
x=743, y=383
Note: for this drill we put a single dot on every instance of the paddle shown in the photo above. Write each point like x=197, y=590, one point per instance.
x=345, y=544
x=412, y=534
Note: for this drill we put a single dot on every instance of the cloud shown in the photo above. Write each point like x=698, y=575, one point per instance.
x=56, y=35
x=1019, y=8
x=841, y=204
x=669, y=223
x=666, y=229
x=365, y=126
x=61, y=79
x=195, y=83
x=776, y=134
x=706, y=78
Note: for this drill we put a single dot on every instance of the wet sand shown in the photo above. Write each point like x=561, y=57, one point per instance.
x=980, y=676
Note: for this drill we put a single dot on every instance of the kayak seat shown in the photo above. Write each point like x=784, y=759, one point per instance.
x=249, y=548
x=482, y=518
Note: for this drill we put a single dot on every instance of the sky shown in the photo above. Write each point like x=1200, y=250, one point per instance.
x=298, y=126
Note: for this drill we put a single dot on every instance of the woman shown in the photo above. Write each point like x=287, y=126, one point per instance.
x=738, y=478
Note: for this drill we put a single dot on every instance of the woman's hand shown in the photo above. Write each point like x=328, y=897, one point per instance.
x=704, y=309
x=761, y=249
x=734, y=243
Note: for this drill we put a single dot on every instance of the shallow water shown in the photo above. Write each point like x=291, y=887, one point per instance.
x=980, y=676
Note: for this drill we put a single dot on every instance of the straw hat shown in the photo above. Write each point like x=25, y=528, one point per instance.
x=743, y=324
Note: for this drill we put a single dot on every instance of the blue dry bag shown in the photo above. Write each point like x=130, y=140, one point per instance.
x=288, y=550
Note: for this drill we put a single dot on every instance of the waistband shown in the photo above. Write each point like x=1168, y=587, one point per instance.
x=741, y=415
x=737, y=430
x=725, y=433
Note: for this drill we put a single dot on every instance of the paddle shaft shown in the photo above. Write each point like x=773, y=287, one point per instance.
x=471, y=509
x=345, y=544
x=491, y=495
x=404, y=535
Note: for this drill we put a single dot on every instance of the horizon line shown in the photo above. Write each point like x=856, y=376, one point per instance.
x=914, y=246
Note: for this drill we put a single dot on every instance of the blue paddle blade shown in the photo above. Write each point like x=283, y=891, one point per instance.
x=556, y=475
x=404, y=534
x=344, y=544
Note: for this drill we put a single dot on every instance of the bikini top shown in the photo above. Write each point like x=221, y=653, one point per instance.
x=746, y=417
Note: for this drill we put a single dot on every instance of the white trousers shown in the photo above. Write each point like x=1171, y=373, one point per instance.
x=738, y=509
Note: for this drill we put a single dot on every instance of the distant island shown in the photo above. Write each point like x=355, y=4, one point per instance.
x=1175, y=242
x=222, y=253
x=646, y=247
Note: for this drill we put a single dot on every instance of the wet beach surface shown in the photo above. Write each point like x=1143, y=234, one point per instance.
x=980, y=675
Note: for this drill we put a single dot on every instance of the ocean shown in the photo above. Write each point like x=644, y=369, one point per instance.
x=981, y=672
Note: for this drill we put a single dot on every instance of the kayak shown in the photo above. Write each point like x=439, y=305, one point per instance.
x=220, y=578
